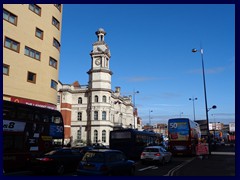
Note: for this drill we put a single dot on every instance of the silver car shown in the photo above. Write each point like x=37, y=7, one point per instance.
x=155, y=154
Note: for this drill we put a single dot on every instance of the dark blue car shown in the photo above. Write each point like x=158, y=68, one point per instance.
x=56, y=161
x=105, y=162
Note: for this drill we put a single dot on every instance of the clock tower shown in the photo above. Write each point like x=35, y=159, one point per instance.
x=99, y=90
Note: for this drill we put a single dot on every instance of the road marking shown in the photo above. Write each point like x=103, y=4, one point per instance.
x=172, y=171
x=223, y=153
x=149, y=167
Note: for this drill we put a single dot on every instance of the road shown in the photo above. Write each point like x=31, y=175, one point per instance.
x=182, y=166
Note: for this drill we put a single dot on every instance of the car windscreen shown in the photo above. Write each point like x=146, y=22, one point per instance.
x=151, y=150
x=94, y=157
x=51, y=152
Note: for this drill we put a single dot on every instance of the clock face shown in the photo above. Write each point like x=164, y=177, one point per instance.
x=97, y=61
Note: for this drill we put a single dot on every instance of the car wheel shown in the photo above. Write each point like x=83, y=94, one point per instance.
x=132, y=171
x=60, y=169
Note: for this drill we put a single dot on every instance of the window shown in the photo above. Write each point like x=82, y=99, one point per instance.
x=79, y=134
x=79, y=118
x=55, y=22
x=96, y=98
x=36, y=9
x=58, y=99
x=104, y=136
x=54, y=84
x=95, y=115
x=56, y=44
x=5, y=69
x=31, y=77
x=95, y=136
x=32, y=53
x=52, y=62
x=79, y=100
x=104, y=98
x=39, y=33
x=11, y=44
x=104, y=114
x=58, y=6
x=9, y=17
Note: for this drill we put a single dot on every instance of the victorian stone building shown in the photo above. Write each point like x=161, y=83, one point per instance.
x=91, y=111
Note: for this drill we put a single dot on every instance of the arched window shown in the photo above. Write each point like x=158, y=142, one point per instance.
x=79, y=100
x=104, y=136
x=96, y=98
x=104, y=115
x=95, y=136
x=95, y=115
x=104, y=99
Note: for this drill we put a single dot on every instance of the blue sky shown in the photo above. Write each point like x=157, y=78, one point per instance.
x=151, y=53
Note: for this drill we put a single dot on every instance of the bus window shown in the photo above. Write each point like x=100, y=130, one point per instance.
x=24, y=114
x=9, y=113
x=56, y=120
x=46, y=118
x=37, y=117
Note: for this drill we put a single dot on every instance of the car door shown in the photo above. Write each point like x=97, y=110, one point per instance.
x=69, y=158
x=165, y=154
x=117, y=163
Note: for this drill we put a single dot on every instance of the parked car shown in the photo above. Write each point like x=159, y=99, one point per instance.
x=156, y=154
x=99, y=146
x=56, y=161
x=105, y=162
x=84, y=149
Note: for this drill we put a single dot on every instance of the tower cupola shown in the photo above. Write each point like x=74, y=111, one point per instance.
x=100, y=33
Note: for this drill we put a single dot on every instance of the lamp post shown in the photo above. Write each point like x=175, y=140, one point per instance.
x=181, y=114
x=134, y=92
x=193, y=99
x=205, y=94
x=150, y=117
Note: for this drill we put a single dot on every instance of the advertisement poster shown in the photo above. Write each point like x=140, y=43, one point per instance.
x=202, y=148
x=179, y=131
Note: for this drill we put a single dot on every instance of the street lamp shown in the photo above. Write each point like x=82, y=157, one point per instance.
x=134, y=92
x=205, y=94
x=193, y=99
x=150, y=117
x=213, y=107
x=181, y=114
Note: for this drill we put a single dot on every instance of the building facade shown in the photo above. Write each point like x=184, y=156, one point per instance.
x=91, y=111
x=31, y=53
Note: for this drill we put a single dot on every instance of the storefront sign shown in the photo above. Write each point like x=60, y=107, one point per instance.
x=33, y=103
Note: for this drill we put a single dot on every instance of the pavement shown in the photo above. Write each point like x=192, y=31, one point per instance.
x=221, y=162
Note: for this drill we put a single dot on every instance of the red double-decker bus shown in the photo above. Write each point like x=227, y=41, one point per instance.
x=183, y=135
x=28, y=131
